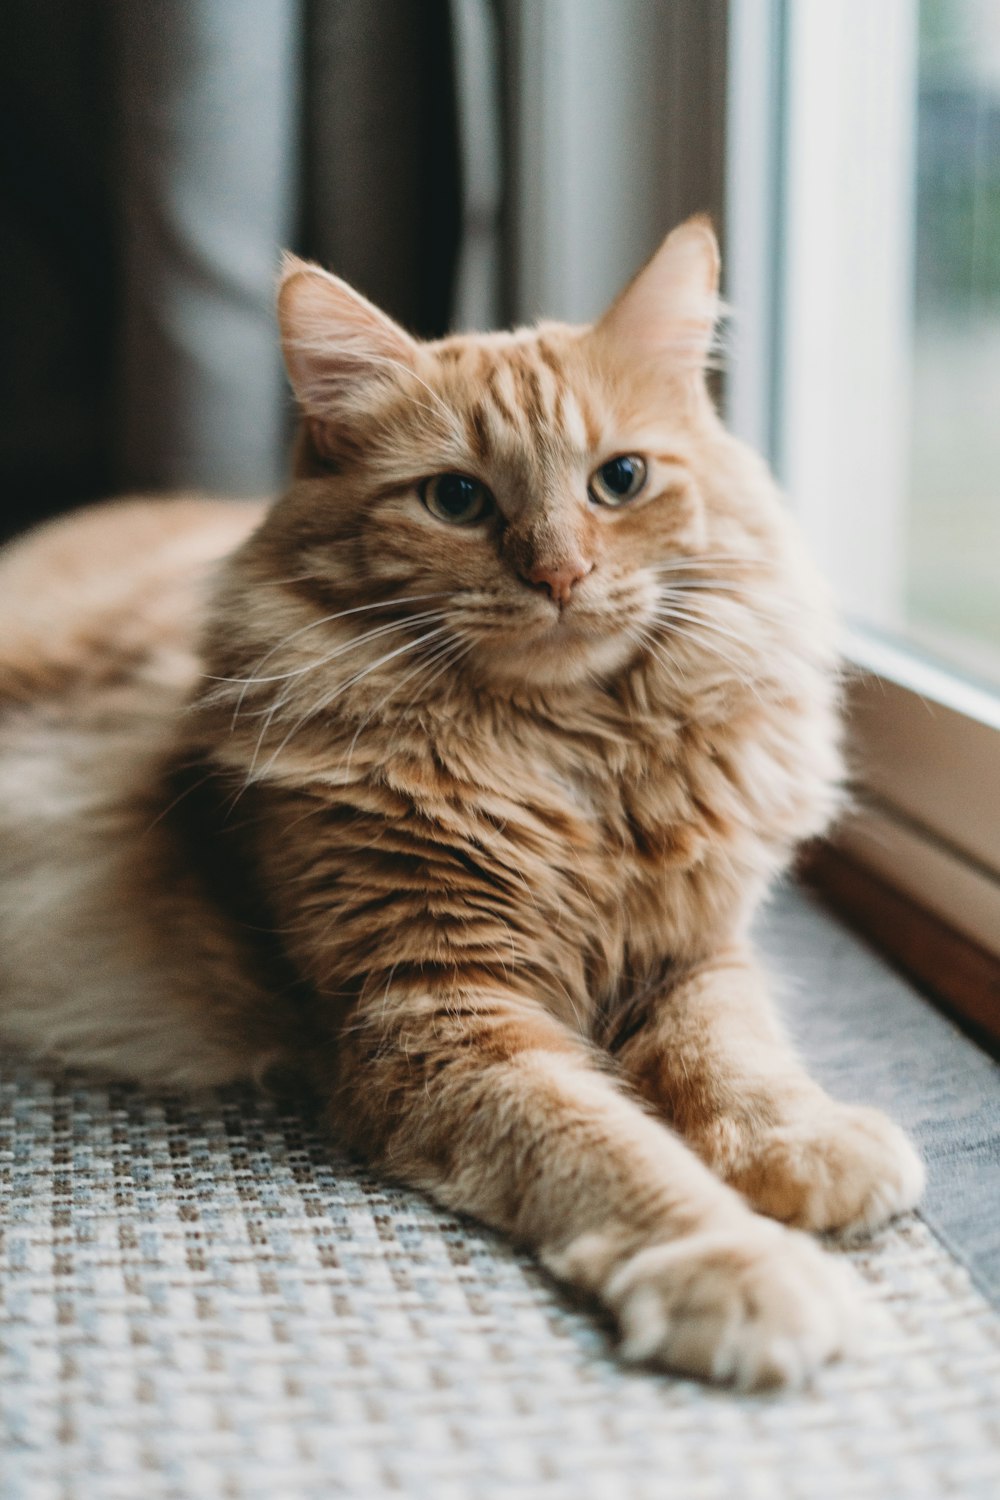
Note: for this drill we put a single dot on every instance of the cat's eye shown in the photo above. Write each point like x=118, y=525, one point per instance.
x=456, y=498
x=618, y=481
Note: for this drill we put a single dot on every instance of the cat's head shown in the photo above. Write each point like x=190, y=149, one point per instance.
x=539, y=499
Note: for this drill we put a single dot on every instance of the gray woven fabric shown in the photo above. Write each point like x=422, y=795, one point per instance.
x=202, y=1301
x=870, y=1038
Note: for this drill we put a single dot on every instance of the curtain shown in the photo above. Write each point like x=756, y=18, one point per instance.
x=156, y=161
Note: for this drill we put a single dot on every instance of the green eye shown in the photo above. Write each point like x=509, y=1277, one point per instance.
x=618, y=481
x=456, y=498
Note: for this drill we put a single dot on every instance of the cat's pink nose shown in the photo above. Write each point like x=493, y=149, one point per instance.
x=559, y=579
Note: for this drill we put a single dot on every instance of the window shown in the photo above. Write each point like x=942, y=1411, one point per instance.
x=951, y=598
x=865, y=164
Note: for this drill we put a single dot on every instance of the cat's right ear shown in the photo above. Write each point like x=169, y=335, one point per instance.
x=338, y=346
x=667, y=313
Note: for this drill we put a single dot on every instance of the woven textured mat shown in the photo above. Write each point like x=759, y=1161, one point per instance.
x=201, y=1300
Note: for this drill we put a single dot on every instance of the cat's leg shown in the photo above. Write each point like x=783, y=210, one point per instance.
x=711, y=1056
x=493, y=1107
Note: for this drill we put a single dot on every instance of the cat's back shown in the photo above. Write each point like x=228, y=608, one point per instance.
x=110, y=593
x=108, y=937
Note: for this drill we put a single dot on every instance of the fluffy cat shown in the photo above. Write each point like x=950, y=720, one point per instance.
x=453, y=780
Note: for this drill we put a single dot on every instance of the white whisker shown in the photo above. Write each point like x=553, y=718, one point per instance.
x=366, y=359
x=349, y=645
x=324, y=703
x=646, y=642
x=699, y=560
x=736, y=667
x=342, y=614
x=742, y=593
x=443, y=648
x=704, y=622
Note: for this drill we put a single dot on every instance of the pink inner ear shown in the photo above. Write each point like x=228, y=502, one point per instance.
x=670, y=308
x=335, y=341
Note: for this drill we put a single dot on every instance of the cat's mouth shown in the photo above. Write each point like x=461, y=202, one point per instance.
x=555, y=623
x=550, y=645
x=580, y=619
x=527, y=637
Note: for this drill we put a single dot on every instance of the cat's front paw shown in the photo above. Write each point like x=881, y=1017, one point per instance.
x=753, y=1306
x=845, y=1168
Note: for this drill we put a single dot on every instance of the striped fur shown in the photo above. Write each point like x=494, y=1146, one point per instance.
x=479, y=866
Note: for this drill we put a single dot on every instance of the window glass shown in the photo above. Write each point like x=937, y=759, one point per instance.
x=952, y=582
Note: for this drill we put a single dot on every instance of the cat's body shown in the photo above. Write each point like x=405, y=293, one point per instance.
x=447, y=806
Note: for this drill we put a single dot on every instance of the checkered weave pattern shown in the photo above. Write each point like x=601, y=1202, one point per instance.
x=201, y=1299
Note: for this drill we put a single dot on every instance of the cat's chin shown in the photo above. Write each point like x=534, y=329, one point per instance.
x=563, y=655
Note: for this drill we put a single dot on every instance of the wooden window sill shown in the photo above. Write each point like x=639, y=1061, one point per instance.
x=945, y=963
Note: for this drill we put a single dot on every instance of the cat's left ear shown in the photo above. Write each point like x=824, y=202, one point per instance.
x=337, y=344
x=669, y=310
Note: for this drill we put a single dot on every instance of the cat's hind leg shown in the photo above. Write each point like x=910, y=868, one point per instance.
x=712, y=1058
x=485, y=1101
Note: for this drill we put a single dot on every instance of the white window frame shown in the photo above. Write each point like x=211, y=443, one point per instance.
x=834, y=168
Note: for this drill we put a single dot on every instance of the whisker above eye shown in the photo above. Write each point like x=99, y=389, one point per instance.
x=439, y=409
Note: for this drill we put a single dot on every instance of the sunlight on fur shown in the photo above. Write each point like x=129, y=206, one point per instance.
x=450, y=785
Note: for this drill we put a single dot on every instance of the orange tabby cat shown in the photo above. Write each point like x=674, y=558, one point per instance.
x=458, y=787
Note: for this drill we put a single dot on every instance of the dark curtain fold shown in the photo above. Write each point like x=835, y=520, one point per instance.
x=381, y=201
x=156, y=158
x=59, y=256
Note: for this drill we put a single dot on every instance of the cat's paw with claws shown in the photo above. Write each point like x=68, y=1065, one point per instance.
x=754, y=1306
x=845, y=1169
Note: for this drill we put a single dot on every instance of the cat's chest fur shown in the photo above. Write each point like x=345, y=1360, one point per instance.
x=629, y=840
x=579, y=852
